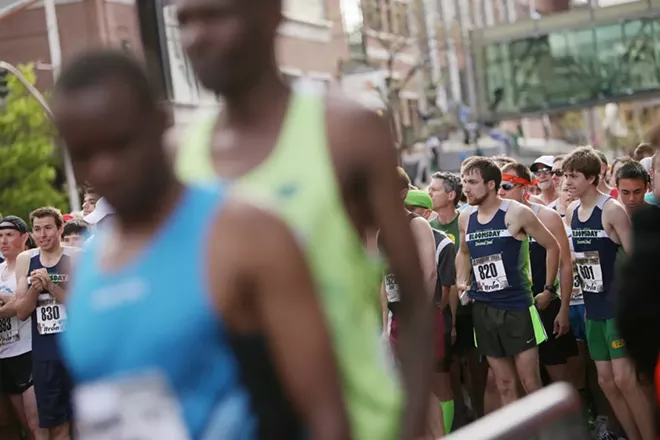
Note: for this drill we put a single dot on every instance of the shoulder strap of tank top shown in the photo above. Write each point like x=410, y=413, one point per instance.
x=504, y=206
x=536, y=208
x=553, y=205
x=473, y=209
x=193, y=152
x=603, y=199
x=33, y=252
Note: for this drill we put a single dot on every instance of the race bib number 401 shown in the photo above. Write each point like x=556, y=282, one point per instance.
x=588, y=268
x=51, y=315
x=489, y=273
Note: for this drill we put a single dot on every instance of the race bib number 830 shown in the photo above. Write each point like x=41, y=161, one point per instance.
x=51, y=316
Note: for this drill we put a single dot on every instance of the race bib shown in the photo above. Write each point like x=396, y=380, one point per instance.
x=135, y=408
x=589, y=271
x=489, y=273
x=51, y=315
x=392, y=288
x=9, y=331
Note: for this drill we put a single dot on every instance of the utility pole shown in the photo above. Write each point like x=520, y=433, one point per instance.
x=154, y=42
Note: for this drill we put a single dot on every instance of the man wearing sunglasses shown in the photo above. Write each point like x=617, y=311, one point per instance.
x=542, y=169
x=553, y=309
x=557, y=173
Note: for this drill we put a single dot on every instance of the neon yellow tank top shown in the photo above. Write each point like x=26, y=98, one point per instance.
x=299, y=178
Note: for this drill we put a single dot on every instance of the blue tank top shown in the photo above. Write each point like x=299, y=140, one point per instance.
x=595, y=257
x=49, y=316
x=156, y=315
x=500, y=262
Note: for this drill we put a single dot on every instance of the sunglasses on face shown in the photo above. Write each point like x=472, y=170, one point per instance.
x=558, y=173
x=508, y=186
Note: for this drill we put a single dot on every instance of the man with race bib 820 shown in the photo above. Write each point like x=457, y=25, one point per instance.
x=495, y=245
x=41, y=277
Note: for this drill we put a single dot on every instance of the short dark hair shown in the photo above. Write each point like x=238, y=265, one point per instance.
x=75, y=226
x=501, y=160
x=451, y=182
x=622, y=159
x=47, y=211
x=602, y=157
x=487, y=168
x=633, y=170
x=520, y=169
x=641, y=150
x=92, y=67
x=584, y=160
x=558, y=158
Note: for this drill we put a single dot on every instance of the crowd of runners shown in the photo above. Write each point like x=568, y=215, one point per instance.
x=225, y=284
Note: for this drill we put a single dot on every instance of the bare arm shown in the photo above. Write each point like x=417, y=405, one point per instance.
x=463, y=254
x=555, y=225
x=8, y=310
x=385, y=311
x=426, y=249
x=534, y=228
x=283, y=307
x=620, y=222
x=382, y=199
x=26, y=295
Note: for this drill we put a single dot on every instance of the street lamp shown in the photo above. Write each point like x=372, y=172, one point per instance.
x=74, y=198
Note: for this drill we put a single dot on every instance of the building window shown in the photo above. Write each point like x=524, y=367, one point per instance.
x=401, y=21
x=314, y=10
x=372, y=12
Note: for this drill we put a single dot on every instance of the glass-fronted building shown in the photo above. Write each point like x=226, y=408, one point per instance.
x=568, y=60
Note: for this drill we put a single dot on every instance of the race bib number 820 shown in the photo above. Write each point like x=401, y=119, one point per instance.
x=489, y=273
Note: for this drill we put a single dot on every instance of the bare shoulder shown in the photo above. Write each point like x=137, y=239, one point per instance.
x=355, y=127
x=463, y=216
x=570, y=210
x=612, y=205
x=549, y=215
x=245, y=228
x=71, y=251
x=23, y=262
x=420, y=224
x=537, y=200
x=517, y=209
x=613, y=210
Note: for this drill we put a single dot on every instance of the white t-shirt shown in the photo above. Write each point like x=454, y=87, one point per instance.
x=15, y=335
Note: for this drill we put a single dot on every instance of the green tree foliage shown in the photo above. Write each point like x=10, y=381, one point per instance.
x=27, y=157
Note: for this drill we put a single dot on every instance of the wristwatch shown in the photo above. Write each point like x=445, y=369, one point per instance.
x=550, y=288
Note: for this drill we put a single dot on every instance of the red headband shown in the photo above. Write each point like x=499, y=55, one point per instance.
x=518, y=180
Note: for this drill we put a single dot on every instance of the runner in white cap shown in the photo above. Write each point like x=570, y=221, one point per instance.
x=100, y=217
x=542, y=169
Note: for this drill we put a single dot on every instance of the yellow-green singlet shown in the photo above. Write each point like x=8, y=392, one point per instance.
x=299, y=179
